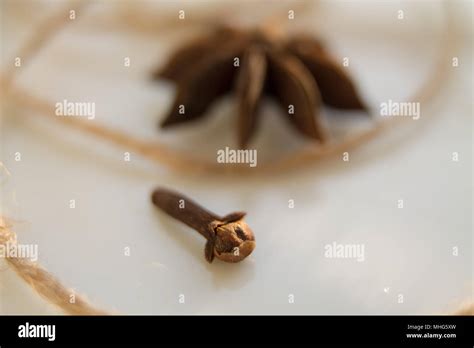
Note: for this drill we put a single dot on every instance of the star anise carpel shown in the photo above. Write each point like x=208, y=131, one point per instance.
x=297, y=71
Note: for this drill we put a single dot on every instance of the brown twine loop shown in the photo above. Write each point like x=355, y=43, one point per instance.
x=49, y=287
x=44, y=283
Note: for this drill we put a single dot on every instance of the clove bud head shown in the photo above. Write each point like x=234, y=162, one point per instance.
x=234, y=241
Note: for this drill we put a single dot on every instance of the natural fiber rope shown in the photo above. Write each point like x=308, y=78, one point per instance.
x=43, y=282
x=465, y=309
x=47, y=285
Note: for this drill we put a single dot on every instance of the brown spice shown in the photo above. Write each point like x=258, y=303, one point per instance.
x=298, y=72
x=229, y=238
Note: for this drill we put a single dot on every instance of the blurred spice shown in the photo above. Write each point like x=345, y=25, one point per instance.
x=298, y=72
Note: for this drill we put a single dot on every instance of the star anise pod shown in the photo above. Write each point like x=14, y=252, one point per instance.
x=297, y=71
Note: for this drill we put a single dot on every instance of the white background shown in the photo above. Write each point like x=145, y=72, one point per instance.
x=408, y=251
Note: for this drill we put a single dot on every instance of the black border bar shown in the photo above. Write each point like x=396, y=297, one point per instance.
x=228, y=330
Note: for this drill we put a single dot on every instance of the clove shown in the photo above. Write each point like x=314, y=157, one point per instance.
x=229, y=238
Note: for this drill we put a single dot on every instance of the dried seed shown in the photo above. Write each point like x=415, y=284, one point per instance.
x=187, y=57
x=209, y=80
x=337, y=89
x=250, y=86
x=293, y=86
x=298, y=72
x=229, y=238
